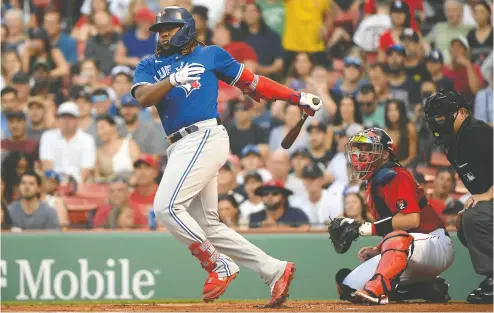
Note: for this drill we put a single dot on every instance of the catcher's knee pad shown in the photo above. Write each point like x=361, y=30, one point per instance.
x=344, y=291
x=396, y=248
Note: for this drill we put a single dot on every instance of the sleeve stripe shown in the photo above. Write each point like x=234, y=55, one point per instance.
x=135, y=86
x=238, y=75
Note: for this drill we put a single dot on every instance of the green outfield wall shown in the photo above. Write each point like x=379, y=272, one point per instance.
x=153, y=265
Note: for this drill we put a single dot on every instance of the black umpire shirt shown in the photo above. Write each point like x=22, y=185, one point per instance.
x=471, y=155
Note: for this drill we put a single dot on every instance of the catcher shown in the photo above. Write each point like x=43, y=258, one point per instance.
x=415, y=248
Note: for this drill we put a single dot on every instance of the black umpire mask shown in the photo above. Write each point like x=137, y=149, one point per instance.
x=442, y=128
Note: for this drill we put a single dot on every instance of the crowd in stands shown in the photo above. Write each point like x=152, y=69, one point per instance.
x=78, y=151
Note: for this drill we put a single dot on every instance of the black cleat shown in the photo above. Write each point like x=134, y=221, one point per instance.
x=483, y=294
x=433, y=291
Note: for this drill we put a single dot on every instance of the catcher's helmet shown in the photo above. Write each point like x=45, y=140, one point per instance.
x=365, y=149
x=441, y=110
x=179, y=16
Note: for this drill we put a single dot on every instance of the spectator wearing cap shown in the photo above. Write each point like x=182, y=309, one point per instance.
x=291, y=115
x=266, y=43
x=416, y=10
x=67, y=149
x=102, y=46
x=251, y=160
x=480, y=39
x=14, y=19
x=320, y=205
x=319, y=149
x=147, y=135
x=139, y=42
x=243, y=131
x=58, y=39
x=80, y=96
x=119, y=213
x=19, y=141
x=372, y=111
x=402, y=86
x=20, y=81
x=349, y=84
x=442, y=33
x=277, y=213
x=414, y=60
x=466, y=76
x=279, y=165
x=145, y=174
x=253, y=203
x=400, y=19
x=38, y=48
x=228, y=210
x=10, y=102
x=298, y=160
x=121, y=81
x=116, y=156
x=227, y=182
x=51, y=181
x=434, y=64
x=36, y=117
x=200, y=15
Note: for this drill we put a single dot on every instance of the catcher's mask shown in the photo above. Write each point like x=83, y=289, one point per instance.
x=364, y=150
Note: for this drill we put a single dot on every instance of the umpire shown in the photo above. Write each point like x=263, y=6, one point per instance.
x=468, y=143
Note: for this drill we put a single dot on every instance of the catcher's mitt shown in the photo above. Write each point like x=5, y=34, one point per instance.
x=342, y=232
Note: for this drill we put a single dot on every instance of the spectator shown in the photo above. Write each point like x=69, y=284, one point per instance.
x=293, y=114
x=118, y=213
x=36, y=115
x=444, y=185
x=122, y=78
x=67, y=149
x=5, y=219
x=86, y=26
x=402, y=87
x=318, y=84
x=319, y=149
x=228, y=210
x=251, y=160
x=13, y=167
x=303, y=18
x=337, y=168
x=450, y=215
x=44, y=85
x=416, y=10
x=145, y=174
x=443, y=33
x=15, y=26
x=39, y=48
x=243, y=131
x=368, y=33
x=21, y=84
x=262, y=117
x=58, y=39
x=299, y=72
x=30, y=213
x=349, y=84
x=137, y=43
x=480, y=39
x=3, y=40
x=320, y=205
x=117, y=155
x=435, y=65
x=400, y=19
x=90, y=75
x=348, y=116
x=203, y=33
x=380, y=82
x=19, y=141
x=147, y=135
x=414, y=60
x=466, y=76
x=483, y=103
x=11, y=64
x=277, y=213
x=80, y=96
x=355, y=208
x=402, y=132
x=425, y=140
x=10, y=103
x=298, y=160
x=48, y=195
x=227, y=182
x=253, y=203
x=279, y=166
x=372, y=112
x=266, y=43
x=128, y=16
x=102, y=46
x=273, y=14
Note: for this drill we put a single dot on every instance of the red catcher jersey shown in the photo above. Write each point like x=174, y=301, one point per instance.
x=402, y=195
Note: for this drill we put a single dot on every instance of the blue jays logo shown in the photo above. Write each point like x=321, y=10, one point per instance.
x=188, y=88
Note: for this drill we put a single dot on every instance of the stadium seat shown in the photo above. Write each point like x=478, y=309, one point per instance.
x=79, y=210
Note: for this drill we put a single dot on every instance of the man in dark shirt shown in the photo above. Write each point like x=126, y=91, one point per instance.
x=435, y=63
x=414, y=61
x=36, y=115
x=19, y=141
x=243, y=131
x=468, y=143
x=277, y=211
x=318, y=149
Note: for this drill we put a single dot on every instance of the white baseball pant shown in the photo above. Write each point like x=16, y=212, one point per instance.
x=187, y=202
x=433, y=253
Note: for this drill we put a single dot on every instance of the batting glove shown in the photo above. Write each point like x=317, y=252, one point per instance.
x=186, y=75
x=310, y=103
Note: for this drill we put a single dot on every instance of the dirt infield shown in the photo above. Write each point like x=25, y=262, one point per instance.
x=244, y=306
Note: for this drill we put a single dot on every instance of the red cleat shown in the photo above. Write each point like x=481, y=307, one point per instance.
x=215, y=287
x=279, y=293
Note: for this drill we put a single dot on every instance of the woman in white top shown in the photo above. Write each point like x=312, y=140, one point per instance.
x=117, y=155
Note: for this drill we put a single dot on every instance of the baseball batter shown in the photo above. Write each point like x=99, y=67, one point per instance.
x=181, y=80
x=415, y=248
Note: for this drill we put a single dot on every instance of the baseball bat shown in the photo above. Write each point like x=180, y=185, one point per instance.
x=292, y=134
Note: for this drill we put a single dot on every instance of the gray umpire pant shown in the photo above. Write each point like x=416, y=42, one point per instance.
x=476, y=234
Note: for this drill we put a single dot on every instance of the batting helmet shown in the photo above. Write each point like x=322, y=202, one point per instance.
x=176, y=16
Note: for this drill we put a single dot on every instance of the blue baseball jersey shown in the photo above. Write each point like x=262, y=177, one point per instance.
x=191, y=103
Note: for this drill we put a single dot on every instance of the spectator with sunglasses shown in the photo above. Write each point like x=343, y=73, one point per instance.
x=372, y=112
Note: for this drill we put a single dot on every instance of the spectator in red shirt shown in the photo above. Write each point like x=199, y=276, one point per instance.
x=146, y=171
x=19, y=141
x=400, y=19
x=85, y=27
x=466, y=76
x=416, y=11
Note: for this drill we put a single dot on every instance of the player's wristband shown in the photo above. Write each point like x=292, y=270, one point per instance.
x=173, y=81
x=366, y=229
x=384, y=226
